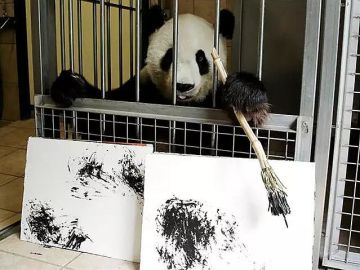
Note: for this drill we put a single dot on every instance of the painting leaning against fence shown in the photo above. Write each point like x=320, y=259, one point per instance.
x=85, y=196
x=212, y=213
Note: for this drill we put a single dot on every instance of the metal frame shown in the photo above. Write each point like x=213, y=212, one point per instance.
x=325, y=112
x=334, y=253
x=310, y=73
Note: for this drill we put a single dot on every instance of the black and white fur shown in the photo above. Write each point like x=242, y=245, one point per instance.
x=194, y=73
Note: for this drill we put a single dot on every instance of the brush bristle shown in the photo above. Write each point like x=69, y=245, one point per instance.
x=277, y=196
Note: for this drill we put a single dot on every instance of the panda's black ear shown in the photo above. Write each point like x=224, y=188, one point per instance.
x=227, y=23
x=153, y=19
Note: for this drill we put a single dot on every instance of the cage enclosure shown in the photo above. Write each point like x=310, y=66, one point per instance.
x=102, y=40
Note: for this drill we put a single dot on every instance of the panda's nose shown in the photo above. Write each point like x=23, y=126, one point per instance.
x=183, y=87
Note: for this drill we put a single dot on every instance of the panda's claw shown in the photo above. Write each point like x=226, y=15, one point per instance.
x=246, y=93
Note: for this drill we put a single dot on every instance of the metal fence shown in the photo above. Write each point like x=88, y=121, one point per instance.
x=171, y=128
x=342, y=239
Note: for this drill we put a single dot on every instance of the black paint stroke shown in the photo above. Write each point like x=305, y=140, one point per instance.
x=132, y=174
x=188, y=233
x=90, y=177
x=191, y=235
x=46, y=227
x=92, y=180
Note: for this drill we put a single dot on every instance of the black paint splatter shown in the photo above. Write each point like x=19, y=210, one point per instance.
x=132, y=174
x=92, y=179
x=227, y=229
x=45, y=227
x=191, y=236
x=188, y=232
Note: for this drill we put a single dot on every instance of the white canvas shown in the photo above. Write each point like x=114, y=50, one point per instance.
x=84, y=196
x=212, y=213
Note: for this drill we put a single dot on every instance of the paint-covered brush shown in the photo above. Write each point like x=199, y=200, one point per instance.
x=277, y=196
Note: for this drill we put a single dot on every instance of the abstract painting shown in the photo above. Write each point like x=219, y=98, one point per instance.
x=85, y=196
x=209, y=213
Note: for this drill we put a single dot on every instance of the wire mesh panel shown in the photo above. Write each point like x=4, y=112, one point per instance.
x=342, y=247
x=194, y=128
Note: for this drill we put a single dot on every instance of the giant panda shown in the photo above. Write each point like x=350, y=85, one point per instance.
x=194, y=74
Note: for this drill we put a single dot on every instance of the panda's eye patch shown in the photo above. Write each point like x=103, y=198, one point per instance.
x=202, y=62
x=166, y=60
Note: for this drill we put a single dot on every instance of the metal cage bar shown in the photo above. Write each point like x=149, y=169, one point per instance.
x=175, y=48
x=261, y=39
x=71, y=35
x=95, y=44
x=80, y=35
x=325, y=114
x=310, y=69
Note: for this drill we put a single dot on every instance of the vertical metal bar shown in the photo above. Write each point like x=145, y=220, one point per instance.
x=138, y=48
x=71, y=34
x=268, y=143
x=175, y=59
x=121, y=44
x=155, y=134
x=261, y=40
x=287, y=145
x=72, y=54
x=127, y=129
x=102, y=62
x=65, y=127
x=75, y=115
x=138, y=52
x=42, y=122
x=102, y=48
x=325, y=114
x=304, y=129
x=170, y=136
x=215, y=73
x=217, y=140
x=95, y=44
x=311, y=52
x=216, y=46
x=80, y=36
x=108, y=39
x=141, y=128
x=53, y=123
x=342, y=134
x=101, y=124
x=132, y=35
x=200, y=143
x=309, y=75
x=88, y=126
x=185, y=138
x=233, y=142
x=62, y=34
x=175, y=47
x=114, y=135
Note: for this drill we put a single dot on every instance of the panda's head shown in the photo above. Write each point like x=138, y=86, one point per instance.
x=195, y=68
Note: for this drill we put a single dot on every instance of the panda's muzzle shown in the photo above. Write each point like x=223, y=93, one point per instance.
x=184, y=92
x=184, y=87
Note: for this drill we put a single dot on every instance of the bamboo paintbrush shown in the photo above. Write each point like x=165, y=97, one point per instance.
x=278, y=204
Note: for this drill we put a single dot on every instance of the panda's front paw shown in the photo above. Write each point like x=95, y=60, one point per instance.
x=247, y=94
x=67, y=87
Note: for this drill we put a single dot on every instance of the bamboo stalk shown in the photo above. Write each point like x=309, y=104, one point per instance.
x=275, y=189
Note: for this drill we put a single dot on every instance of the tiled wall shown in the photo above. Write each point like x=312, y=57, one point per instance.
x=8, y=66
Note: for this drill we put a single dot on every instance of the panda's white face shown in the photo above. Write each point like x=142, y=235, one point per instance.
x=195, y=68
